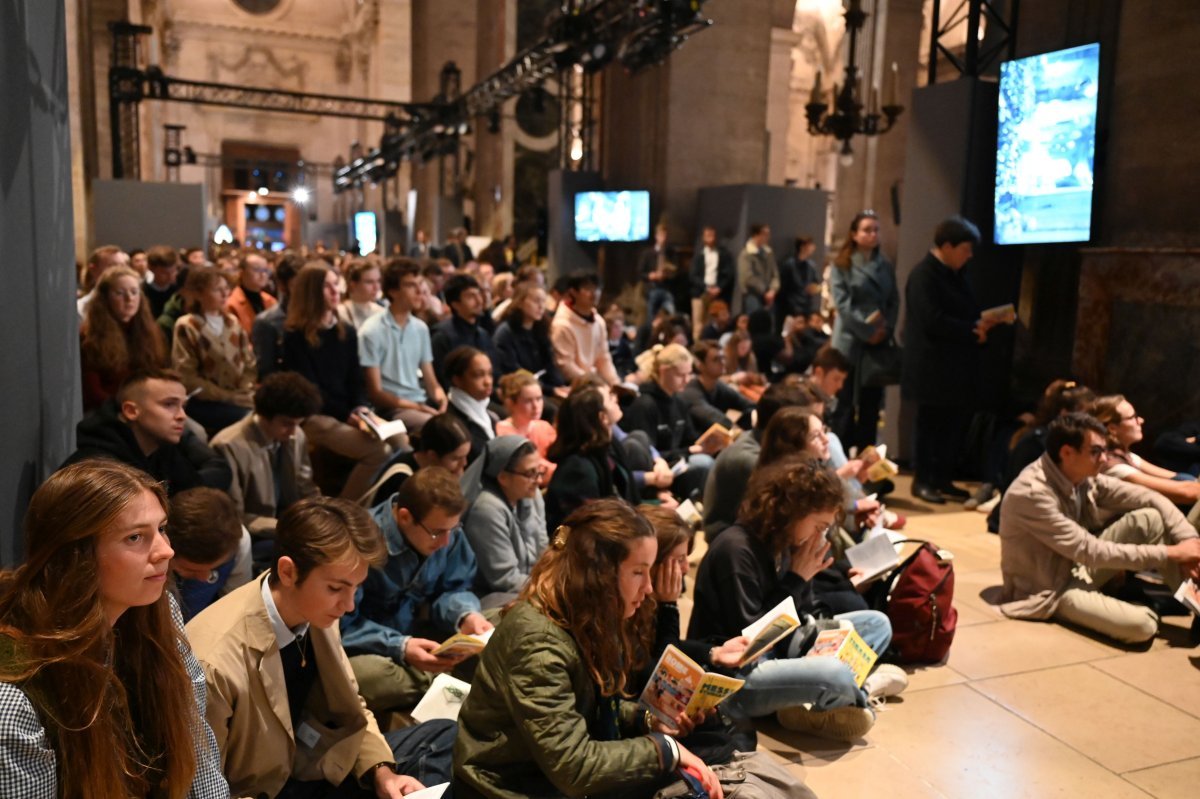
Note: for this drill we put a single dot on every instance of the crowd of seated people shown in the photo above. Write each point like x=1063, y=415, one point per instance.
x=531, y=491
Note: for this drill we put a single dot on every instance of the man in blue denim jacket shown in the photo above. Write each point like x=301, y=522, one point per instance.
x=424, y=589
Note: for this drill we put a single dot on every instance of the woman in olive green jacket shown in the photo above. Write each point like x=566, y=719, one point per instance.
x=547, y=714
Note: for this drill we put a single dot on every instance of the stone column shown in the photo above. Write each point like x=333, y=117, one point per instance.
x=441, y=32
x=779, y=96
x=879, y=160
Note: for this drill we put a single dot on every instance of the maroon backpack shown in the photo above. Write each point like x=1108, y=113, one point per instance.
x=920, y=605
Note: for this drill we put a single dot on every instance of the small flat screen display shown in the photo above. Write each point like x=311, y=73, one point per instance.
x=365, y=232
x=612, y=216
x=1046, y=147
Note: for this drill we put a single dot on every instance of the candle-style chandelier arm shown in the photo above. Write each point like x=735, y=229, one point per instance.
x=846, y=113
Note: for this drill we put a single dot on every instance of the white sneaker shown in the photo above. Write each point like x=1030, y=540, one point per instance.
x=887, y=680
x=986, y=507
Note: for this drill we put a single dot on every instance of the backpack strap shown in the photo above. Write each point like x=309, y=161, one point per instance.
x=396, y=468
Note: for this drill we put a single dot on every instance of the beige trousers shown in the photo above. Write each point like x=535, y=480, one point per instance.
x=1083, y=602
x=350, y=442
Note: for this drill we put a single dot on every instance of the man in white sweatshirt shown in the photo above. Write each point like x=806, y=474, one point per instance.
x=578, y=332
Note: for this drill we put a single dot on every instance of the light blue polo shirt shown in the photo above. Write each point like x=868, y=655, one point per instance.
x=398, y=352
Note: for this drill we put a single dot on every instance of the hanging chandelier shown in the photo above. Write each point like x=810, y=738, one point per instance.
x=850, y=114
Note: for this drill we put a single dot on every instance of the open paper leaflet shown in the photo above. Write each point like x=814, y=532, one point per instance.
x=1189, y=596
x=764, y=633
x=874, y=557
x=379, y=427
x=443, y=700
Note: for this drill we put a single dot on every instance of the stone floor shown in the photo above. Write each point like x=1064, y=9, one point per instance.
x=1021, y=709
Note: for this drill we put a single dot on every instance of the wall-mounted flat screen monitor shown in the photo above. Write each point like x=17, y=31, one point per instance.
x=612, y=216
x=1046, y=147
x=366, y=232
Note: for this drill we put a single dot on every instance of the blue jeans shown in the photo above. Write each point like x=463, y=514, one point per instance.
x=822, y=682
x=691, y=481
x=423, y=751
x=658, y=299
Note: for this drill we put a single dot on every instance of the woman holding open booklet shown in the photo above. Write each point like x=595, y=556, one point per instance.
x=772, y=554
x=546, y=714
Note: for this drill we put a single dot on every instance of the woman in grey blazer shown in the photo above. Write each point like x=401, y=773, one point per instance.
x=864, y=289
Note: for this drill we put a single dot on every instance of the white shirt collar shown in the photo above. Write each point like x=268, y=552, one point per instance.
x=283, y=634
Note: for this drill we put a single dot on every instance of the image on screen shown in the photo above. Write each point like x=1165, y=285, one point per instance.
x=612, y=216
x=1046, y=147
x=365, y=232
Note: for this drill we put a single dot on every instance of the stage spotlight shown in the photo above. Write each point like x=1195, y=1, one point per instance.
x=301, y=195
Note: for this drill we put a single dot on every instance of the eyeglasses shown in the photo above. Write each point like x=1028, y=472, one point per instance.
x=1131, y=417
x=126, y=294
x=434, y=534
x=817, y=435
x=529, y=474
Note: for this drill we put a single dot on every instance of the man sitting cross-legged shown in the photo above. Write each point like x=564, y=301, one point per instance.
x=419, y=597
x=1059, y=545
x=282, y=701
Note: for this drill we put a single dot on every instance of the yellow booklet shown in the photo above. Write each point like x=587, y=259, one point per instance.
x=778, y=622
x=848, y=647
x=464, y=645
x=680, y=685
x=880, y=467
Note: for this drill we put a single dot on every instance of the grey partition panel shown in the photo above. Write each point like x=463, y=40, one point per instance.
x=565, y=254
x=133, y=213
x=39, y=368
x=789, y=211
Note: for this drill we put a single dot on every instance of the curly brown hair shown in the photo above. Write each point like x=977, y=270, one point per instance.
x=780, y=495
x=575, y=584
x=109, y=346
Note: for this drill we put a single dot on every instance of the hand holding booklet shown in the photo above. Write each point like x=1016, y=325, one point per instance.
x=716, y=432
x=463, y=645
x=1189, y=596
x=873, y=558
x=764, y=633
x=1001, y=314
x=680, y=685
x=879, y=468
x=376, y=425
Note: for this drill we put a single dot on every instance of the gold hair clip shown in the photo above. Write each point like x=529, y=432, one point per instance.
x=560, y=536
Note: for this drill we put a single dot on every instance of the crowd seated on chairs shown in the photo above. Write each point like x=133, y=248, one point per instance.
x=507, y=461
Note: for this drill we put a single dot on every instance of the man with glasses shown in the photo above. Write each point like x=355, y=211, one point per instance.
x=421, y=596
x=1059, y=545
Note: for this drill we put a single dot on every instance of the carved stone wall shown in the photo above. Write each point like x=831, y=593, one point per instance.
x=1137, y=331
x=350, y=48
